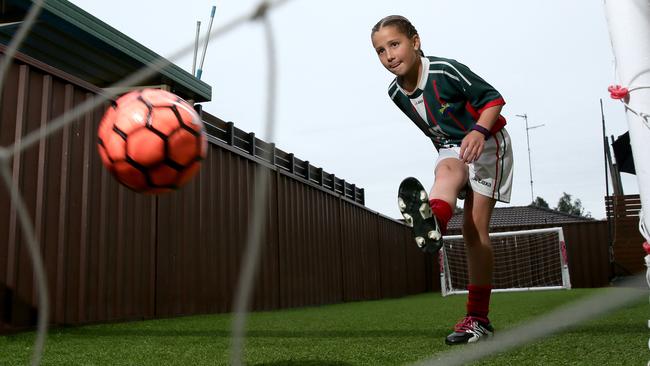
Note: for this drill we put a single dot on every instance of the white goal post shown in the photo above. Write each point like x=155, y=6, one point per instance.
x=526, y=260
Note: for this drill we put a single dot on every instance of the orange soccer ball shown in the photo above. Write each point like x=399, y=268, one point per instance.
x=151, y=140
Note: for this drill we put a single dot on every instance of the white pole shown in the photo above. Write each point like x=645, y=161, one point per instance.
x=520, y=232
x=519, y=289
x=629, y=30
x=530, y=166
x=442, y=260
x=564, y=260
x=196, y=46
x=205, y=46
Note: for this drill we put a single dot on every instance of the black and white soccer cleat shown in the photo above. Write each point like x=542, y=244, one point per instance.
x=413, y=203
x=470, y=330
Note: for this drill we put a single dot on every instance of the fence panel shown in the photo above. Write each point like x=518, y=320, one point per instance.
x=97, y=263
x=392, y=255
x=359, y=253
x=623, y=212
x=309, y=238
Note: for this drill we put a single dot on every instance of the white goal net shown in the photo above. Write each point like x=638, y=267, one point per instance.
x=523, y=260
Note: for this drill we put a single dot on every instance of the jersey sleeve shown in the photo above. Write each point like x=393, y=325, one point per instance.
x=477, y=91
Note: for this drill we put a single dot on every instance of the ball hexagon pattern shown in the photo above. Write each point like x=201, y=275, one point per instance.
x=151, y=140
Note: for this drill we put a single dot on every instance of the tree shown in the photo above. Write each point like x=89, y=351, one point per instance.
x=540, y=202
x=573, y=207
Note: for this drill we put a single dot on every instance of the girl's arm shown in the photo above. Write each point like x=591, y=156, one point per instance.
x=489, y=117
x=473, y=143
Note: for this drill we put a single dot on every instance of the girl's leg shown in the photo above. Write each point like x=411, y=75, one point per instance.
x=430, y=225
x=451, y=176
x=480, y=257
x=476, y=325
x=495, y=167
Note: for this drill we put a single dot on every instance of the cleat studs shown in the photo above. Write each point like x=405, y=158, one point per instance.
x=401, y=203
x=434, y=234
x=425, y=210
x=408, y=218
x=423, y=196
x=419, y=241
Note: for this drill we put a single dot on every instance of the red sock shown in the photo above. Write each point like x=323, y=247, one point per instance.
x=443, y=212
x=478, y=301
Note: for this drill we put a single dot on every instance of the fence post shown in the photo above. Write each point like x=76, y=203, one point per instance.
x=292, y=163
x=251, y=141
x=230, y=133
x=199, y=110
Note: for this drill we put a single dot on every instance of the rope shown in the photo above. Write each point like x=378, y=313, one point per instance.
x=250, y=262
x=17, y=200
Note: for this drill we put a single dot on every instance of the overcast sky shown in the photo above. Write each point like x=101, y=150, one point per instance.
x=550, y=59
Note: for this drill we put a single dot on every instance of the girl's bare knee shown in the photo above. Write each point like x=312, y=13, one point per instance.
x=450, y=172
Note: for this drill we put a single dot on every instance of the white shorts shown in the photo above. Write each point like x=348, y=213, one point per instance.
x=491, y=174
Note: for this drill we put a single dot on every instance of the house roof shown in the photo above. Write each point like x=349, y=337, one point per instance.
x=72, y=40
x=521, y=215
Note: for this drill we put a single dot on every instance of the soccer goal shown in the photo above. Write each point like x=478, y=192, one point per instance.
x=523, y=261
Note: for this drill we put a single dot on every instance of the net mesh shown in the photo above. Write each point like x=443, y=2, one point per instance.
x=602, y=303
x=522, y=260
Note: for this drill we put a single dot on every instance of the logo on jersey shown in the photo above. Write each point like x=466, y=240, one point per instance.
x=445, y=109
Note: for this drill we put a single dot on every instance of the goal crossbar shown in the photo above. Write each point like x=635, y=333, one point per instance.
x=511, y=233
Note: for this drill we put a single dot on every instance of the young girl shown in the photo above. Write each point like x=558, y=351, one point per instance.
x=460, y=113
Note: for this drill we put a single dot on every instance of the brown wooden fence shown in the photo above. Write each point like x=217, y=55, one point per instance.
x=623, y=212
x=111, y=254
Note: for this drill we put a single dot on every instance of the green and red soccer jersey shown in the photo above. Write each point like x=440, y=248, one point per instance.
x=448, y=100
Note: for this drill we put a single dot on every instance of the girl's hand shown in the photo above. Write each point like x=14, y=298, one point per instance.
x=471, y=147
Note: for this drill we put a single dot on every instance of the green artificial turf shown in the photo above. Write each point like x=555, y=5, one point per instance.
x=387, y=332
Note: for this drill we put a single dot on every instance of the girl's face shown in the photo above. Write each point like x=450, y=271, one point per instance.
x=396, y=51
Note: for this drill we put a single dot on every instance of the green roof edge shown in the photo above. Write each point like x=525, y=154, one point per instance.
x=111, y=36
